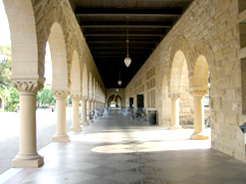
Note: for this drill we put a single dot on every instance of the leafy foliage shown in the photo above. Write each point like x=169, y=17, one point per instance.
x=45, y=96
x=14, y=96
x=5, y=71
x=5, y=66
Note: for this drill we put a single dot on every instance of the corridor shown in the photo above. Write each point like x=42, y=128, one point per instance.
x=115, y=150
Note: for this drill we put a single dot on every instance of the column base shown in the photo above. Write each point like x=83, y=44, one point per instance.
x=199, y=136
x=75, y=129
x=175, y=127
x=61, y=138
x=25, y=163
x=85, y=123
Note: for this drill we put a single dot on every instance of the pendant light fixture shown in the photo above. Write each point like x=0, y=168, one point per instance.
x=119, y=81
x=127, y=60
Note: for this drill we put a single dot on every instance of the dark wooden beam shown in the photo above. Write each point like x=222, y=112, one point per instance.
x=135, y=35
x=94, y=12
x=125, y=26
x=120, y=41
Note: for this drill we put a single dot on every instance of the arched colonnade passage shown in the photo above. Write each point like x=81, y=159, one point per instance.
x=189, y=81
x=32, y=25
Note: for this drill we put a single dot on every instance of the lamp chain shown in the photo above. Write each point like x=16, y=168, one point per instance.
x=127, y=37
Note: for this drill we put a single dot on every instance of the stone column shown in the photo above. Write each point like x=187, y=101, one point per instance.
x=27, y=156
x=88, y=105
x=61, y=121
x=92, y=105
x=75, y=123
x=199, y=115
x=175, y=111
x=84, y=112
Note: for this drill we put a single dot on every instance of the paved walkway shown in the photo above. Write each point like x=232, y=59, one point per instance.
x=116, y=150
x=9, y=133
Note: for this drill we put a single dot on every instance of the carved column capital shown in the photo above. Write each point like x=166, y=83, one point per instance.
x=75, y=96
x=199, y=91
x=174, y=96
x=60, y=92
x=84, y=98
x=28, y=85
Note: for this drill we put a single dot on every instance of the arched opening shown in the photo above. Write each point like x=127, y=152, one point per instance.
x=75, y=94
x=7, y=103
x=181, y=100
x=59, y=58
x=200, y=89
x=60, y=84
x=115, y=102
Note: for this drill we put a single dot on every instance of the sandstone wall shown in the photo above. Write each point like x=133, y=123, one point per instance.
x=209, y=28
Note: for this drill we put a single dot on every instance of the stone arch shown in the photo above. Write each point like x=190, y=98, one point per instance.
x=115, y=97
x=201, y=72
x=176, y=71
x=47, y=13
x=179, y=44
x=202, y=48
x=85, y=85
x=75, y=74
x=59, y=58
x=24, y=40
x=202, y=61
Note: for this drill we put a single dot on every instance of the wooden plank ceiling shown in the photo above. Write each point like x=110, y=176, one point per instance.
x=104, y=25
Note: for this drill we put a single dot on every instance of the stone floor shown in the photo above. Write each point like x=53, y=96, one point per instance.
x=116, y=150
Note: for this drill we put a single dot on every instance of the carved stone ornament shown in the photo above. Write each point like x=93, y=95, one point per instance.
x=60, y=92
x=199, y=91
x=75, y=96
x=84, y=97
x=27, y=85
x=174, y=96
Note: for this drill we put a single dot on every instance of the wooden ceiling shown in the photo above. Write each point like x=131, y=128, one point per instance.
x=104, y=25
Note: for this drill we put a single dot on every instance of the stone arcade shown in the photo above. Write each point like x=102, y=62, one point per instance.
x=208, y=41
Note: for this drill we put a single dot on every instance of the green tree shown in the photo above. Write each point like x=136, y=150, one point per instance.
x=45, y=96
x=5, y=71
x=5, y=65
x=13, y=99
